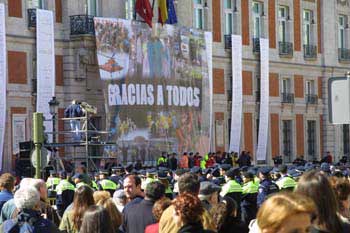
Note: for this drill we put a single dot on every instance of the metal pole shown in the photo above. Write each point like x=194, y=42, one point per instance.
x=38, y=138
x=38, y=160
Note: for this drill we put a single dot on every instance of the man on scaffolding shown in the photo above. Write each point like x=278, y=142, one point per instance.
x=73, y=111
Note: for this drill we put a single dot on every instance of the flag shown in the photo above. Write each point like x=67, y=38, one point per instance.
x=144, y=9
x=172, y=19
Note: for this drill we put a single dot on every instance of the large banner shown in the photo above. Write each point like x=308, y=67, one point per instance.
x=264, y=101
x=237, y=94
x=3, y=81
x=156, y=87
x=45, y=49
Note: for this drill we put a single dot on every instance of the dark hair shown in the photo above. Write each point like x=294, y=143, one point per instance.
x=189, y=207
x=136, y=179
x=222, y=212
x=155, y=190
x=189, y=182
x=83, y=198
x=7, y=181
x=341, y=188
x=96, y=220
x=159, y=207
x=316, y=186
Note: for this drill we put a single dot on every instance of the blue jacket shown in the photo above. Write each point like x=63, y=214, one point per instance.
x=73, y=110
x=266, y=188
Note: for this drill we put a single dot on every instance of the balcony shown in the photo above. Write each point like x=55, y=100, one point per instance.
x=285, y=49
x=228, y=41
x=82, y=25
x=256, y=45
x=31, y=18
x=287, y=98
x=257, y=96
x=229, y=95
x=310, y=51
x=311, y=99
x=344, y=54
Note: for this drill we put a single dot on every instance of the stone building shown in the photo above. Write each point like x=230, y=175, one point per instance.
x=308, y=40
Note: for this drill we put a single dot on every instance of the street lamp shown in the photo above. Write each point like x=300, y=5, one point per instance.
x=53, y=103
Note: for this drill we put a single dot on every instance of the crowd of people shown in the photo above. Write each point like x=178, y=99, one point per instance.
x=223, y=198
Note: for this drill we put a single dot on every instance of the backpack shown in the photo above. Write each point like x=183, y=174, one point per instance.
x=33, y=225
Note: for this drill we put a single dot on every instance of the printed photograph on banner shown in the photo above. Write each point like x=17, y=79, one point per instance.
x=156, y=88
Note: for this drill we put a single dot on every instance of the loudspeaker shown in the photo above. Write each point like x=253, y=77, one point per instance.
x=25, y=148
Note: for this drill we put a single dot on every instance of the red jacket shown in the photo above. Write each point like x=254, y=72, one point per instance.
x=154, y=228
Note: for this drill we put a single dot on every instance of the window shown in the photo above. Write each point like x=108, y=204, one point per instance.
x=287, y=140
x=228, y=16
x=35, y=4
x=129, y=9
x=91, y=7
x=311, y=139
x=307, y=19
x=341, y=32
x=198, y=14
x=346, y=140
x=282, y=23
x=310, y=87
x=286, y=85
x=257, y=14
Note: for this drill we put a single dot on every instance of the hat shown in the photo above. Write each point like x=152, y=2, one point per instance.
x=215, y=172
x=232, y=172
x=206, y=171
x=207, y=188
x=282, y=168
x=62, y=173
x=53, y=172
x=195, y=170
x=119, y=194
x=151, y=171
x=78, y=176
x=265, y=170
x=119, y=168
x=325, y=167
x=225, y=167
x=300, y=169
x=162, y=175
x=103, y=172
x=244, y=168
x=179, y=171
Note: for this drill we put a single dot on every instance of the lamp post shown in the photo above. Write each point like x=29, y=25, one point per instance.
x=53, y=104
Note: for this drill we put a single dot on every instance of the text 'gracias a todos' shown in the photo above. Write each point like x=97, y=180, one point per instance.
x=149, y=94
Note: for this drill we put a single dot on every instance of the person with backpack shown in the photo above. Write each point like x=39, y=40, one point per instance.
x=266, y=186
x=29, y=217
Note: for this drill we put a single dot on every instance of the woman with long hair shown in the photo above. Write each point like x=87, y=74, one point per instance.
x=113, y=212
x=286, y=212
x=72, y=219
x=188, y=210
x=96, y=220
x=317, y=187
x=341, y=188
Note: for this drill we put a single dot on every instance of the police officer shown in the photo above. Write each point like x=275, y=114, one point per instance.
x=285, y=182
x=249, y=197
x=232, y=188
x=163, y=178
x=150, y=177
x=266, y=186
x=105, y=184
x=79, y=180
x=51, y=183
x=117, y=176
x=64, y=193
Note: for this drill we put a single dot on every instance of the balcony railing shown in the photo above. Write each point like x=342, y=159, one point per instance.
x=228, y=41
x=311, y=99
x=256, y=45
x=344, y=54
x=31, y=18
x=310, y=51
x=229, y=95
x=285, y=48
x=287, y=98
x=257, y=96
x=82, y=24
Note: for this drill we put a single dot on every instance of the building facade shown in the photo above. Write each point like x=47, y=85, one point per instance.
x=309, y=43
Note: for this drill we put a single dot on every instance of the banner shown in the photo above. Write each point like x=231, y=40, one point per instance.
x=264, y=101
x=156, y=88
x=45, y=49
x=209, y=46
x=237, y=95
x=3, y=81
x=18, y=131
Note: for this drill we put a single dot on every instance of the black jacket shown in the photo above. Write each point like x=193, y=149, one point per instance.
x=194, y=228
x=138, y=216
